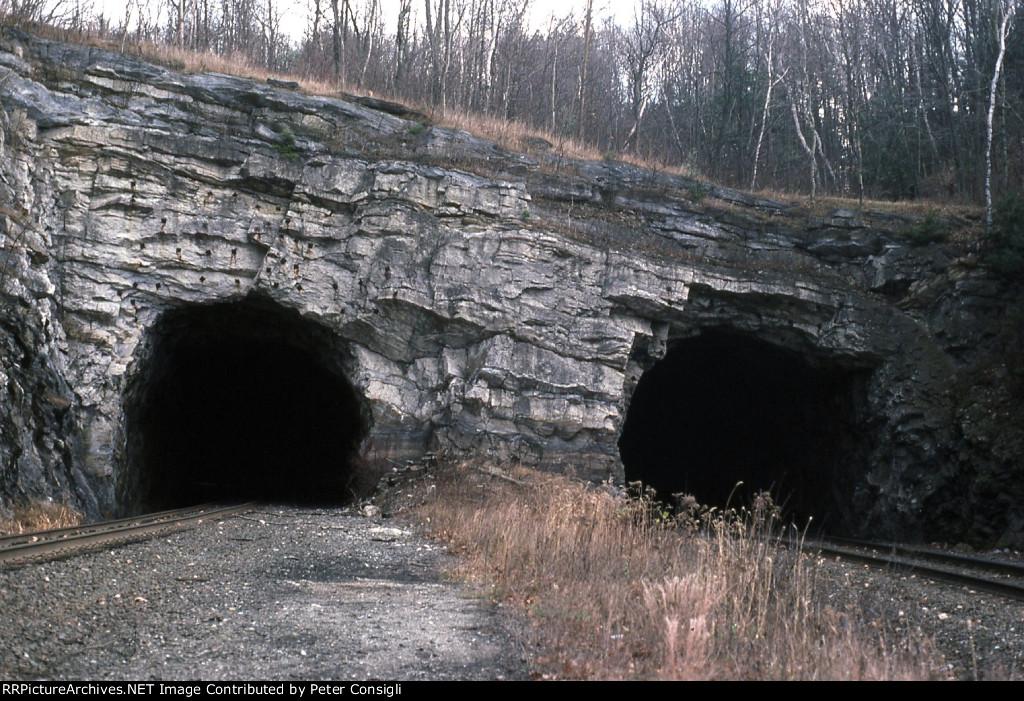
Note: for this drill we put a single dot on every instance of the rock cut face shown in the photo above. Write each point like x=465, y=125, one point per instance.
x=241, y=400
x=215, y=288
x=724, y=416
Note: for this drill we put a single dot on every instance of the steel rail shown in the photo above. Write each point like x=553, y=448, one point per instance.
x=51, y=533
x=1012, y=569
x=1003, y=587
x=60, y=541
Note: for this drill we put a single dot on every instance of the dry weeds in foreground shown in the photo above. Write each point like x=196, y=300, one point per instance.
x=38, y=516
x=614, y=593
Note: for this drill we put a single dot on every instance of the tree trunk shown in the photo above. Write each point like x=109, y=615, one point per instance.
x=1004, y=29
x=588, y=35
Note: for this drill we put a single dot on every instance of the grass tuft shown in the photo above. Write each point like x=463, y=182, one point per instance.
x=38, y=516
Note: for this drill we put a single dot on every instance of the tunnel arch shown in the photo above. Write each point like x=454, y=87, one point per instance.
x=241, y=400
x=724, y=407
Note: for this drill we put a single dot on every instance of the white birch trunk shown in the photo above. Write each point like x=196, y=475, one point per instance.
x=1004, y=29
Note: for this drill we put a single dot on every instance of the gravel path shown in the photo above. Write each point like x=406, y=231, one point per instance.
x=281, y=594
x=329, y=594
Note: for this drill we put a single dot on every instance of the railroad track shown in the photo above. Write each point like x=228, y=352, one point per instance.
x=980, y=573
x=61, y=541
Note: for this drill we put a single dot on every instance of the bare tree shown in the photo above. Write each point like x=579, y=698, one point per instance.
x=402, y=39
x=772, y=21
x=849, y=23
x=640, y=47
x=180, y=7
x=442, y=30
x=1006, y=10
x=339, y=32
x=269, y=20
x=588, y=37
x=798, y=91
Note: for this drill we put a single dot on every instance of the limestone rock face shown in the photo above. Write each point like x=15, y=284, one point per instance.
x=478, y=301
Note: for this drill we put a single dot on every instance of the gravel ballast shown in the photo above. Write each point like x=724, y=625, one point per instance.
x=285, y=594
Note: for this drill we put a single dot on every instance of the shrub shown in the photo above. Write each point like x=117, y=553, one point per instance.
x=928, y=230
x=1006, y=240
x=287, y=147
x=699, y=191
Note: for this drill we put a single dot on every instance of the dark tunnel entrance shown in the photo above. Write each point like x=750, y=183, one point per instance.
x=242, y=400
x=723, y=408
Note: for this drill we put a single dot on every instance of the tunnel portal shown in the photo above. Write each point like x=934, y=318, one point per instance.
x=723, y=408
x=242, y=400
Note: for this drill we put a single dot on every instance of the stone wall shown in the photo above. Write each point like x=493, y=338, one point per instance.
x=481, y=302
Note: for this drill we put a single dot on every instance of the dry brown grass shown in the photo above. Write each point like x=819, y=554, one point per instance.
x=38, y=516
x=615, y=592
x=517, y=136
x=513, y=135
x=237, y=64
x=824, y=204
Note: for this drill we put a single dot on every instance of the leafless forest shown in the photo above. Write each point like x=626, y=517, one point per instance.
x=863, y=98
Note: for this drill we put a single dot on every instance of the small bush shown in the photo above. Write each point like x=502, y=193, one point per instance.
x=928, y=230
x=1006, y=252
x=699, y=191
x=287, y=148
